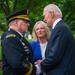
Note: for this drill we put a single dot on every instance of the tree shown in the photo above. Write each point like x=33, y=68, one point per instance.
x=68, y=11
x=35, y=8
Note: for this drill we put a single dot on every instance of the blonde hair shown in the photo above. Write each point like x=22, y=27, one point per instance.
x=46, y=29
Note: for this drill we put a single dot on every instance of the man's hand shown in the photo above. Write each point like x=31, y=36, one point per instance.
x=38, y=62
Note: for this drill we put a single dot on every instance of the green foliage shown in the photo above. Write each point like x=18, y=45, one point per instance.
x=36, y=10
x=73, y=33
x=0, y=53
x=2, y=22
x=0, y=32
x=68, y=12
x=1, y=73
x=29, y=40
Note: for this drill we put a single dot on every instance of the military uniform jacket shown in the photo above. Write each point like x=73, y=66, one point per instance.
x=60, y=52
x=17, y=55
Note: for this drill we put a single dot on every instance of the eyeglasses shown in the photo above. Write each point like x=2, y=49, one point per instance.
x=45, y=14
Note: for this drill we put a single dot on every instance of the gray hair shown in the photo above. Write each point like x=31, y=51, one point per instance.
x=11, y=23
x=54, y=8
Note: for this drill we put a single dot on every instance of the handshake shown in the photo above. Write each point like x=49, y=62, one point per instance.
x=38, y=67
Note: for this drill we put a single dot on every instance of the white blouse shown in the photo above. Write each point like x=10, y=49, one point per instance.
x=43, y=48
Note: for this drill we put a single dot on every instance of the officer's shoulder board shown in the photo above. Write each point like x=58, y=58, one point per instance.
x=10, y=35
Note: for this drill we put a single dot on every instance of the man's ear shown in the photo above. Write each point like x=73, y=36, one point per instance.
x=16, y=22
x=52, y=14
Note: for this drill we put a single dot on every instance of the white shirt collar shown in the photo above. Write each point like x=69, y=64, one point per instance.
x=54, y=24
x=19, y=33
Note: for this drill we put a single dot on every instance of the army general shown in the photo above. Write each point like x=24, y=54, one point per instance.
x=17, y=54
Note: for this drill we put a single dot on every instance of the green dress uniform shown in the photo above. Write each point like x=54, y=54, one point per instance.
x=17, y=55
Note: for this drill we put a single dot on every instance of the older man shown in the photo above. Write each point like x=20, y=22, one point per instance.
x=60, y=51
x=17, y=54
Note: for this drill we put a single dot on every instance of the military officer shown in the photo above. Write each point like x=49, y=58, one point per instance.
x=17, y=54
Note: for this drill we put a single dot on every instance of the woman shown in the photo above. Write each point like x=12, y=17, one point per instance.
x=40, y=35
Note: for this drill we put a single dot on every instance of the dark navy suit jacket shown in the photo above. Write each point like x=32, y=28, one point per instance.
x=60, y=52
